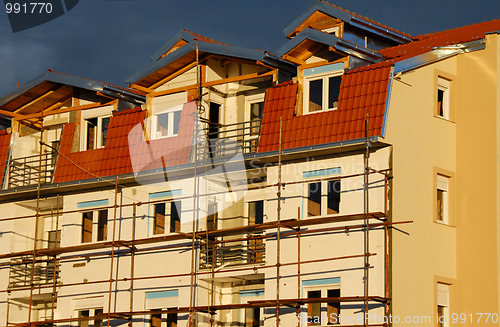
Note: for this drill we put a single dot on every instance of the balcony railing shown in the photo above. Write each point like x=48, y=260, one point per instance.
x=20, y=272
x=25, y=171
x=226, y=140
x=232, y=253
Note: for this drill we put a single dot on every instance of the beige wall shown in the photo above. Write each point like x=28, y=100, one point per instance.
x=463, y=253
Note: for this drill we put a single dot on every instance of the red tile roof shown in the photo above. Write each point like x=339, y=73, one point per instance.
x=361, y=89
x=124, y=151
x=165, y=152
x=4, y=151
x=426, y=42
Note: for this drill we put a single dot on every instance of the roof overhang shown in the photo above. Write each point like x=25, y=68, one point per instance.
x=347, y=17
x=337, y=43
x=189, y=50
x=437, y=54
x=181, y=35
x=53, y=87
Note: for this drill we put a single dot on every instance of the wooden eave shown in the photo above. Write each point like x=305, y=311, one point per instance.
x=165, y=71
x=40, y=98
x=318, y=21
x=177, y=45
x=180, y=66
x=303, y=51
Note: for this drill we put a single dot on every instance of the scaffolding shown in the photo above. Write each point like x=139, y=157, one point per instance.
x=215, y=254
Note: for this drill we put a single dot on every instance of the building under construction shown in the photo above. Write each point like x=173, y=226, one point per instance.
x=350, y=179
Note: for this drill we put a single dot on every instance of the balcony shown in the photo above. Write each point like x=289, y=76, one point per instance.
x=25, y=171
x=231, y=253
x=227, y=140
x=20, y=272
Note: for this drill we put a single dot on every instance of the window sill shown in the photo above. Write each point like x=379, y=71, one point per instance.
x=445, y=119
x=319, y=111
x=443, y=223
x=163, y=137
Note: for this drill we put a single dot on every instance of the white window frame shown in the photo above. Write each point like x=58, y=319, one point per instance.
x=444, y=85
x=324, y=293
x=251, y=99
x=332, y=30
x=324, y=197
x=100, y=114
x=154, y=122
x=322, y=76
x=95, y=226
x=443, y=300
x=168, y=216
x=91, y=314
x=443, y=184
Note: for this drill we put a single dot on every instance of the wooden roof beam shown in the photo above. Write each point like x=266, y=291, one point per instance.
x=141, y=88
x=9, y=113
x=43, y=96
x=69, y=109
x=213, y=83
x=293, y=59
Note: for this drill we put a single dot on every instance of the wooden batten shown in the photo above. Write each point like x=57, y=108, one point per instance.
x=213, y=83
x=141, y=88
x=69, y=109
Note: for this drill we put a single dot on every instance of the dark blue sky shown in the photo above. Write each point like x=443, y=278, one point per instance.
x=109, y=40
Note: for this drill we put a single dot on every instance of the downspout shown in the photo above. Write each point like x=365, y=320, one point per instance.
x=387, y=101
x=7, y=165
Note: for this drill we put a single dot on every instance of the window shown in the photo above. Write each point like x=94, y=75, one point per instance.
x=333, y=309
x=52, y=243
x=255, y=212
x=167, y=213
x=321, y=92
x=170, y=319
x=314, y=309
x=97, y=322
x=443, y=300
x=88, y=226
x=256, y=109
x=166, y=124
x=253, y=117
x=315, y=199
x=442, y=200
x=96, y=132
x=102, y=225
x=252, y=317
x=443, y=98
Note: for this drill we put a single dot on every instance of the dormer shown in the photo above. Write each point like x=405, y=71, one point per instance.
x=325, y=17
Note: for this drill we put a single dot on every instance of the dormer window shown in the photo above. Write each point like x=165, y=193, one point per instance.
x=322, y=90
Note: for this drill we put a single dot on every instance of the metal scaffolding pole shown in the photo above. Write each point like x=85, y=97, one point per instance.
x=132, y=259
x=112, y=253
x=367, y=204
x=278, y=232
x=195, y=198
x=56, y=263
x=37, y=216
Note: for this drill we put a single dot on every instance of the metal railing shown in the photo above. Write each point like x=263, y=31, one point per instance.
x=231, y=253
x=227, y=140
x=25, y=171
x=20, y=272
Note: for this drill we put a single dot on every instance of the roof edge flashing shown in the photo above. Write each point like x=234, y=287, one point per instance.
x=437, y=54
x=379, y=30
x=320, y=6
